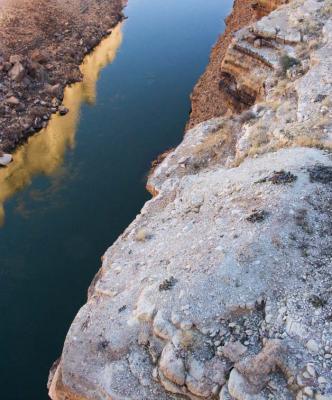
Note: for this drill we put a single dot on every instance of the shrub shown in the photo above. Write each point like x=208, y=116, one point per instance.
x=247, y=116
x=326, y=10
x=287, y=62
x=142, y=235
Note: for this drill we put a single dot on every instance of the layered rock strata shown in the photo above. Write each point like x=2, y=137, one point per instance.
x=210, y=97
x=221, y=286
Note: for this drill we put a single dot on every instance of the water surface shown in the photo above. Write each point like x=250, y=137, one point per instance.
x=74, y=187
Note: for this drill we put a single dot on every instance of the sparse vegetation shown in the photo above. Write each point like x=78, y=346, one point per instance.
x=326, y=11
x=311, y=27
x=216, y=147
x=279, y=177
x=257, y=216
x=186, y=338
x=286, y=62
x=247, y=116
x=280, y=90
x=167, y=284
x=142, y=235
x=304, y=49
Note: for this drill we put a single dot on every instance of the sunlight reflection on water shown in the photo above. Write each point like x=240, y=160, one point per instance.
x=44, y=152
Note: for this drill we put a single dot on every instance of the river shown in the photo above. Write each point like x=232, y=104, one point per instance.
x=74, y=187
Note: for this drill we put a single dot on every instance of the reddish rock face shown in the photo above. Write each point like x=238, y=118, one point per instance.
x=213, y=94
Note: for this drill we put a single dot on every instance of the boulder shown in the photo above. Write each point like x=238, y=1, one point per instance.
x=171, y=365
x=5, y=159
x=54, y=90
x=63, y=110
x=12, y=101
x=17, y=72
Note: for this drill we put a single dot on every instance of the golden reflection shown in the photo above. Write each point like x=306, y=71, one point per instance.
x=44, y=152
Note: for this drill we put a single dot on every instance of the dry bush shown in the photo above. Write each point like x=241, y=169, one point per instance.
x=326, y=11
x=304, y=49
x=286, y=62
x=186, y=339
x=142, y=235
x=273, y=105
x=306, y=141
x=281, y=89
x=311, y=27
x=260, y=136
x=217, y=146
x=247, y=116
x=327, y=102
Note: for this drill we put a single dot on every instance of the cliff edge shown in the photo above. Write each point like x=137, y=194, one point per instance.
x=221, y=286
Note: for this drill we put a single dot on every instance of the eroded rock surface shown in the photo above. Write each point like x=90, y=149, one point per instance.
x=221, y=286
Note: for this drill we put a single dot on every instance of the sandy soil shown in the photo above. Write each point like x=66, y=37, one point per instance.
x=42, y=45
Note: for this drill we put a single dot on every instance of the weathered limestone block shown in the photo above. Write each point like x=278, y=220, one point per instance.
x=234, y=351
x=240, y=389
x=172, y=365
x=205, y=379
x=162, y=328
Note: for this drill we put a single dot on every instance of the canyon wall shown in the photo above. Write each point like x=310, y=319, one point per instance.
x=221, y=286
x=209, y=98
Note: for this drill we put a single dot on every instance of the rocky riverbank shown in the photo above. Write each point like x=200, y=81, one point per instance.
x=42, y=46
x=221, y=286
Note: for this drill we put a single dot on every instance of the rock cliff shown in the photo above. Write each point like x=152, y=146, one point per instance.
x=221, y=286
x=210, y=99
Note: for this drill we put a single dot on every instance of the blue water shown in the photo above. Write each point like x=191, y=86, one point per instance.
x=62, y=214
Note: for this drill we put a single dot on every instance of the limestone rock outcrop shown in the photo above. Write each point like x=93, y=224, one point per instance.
x=221, y=286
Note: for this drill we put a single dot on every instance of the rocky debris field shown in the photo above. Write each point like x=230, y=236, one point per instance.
x=221, y=286
x=42, y=46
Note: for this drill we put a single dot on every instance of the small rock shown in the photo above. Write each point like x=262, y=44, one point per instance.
x=268, y=318
x=5, y=159
x=63, y=110
x=258, y=43
x=311, y=370
x=308, y=391
x=17, y=72
x=321, y=174
x=320, y=396
x=234, y=351
x=15, y=58
x=12, y=101
x=144, y=308
x=162, y=328
x=54, y=90
x=312, y=346
x=322, y=380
